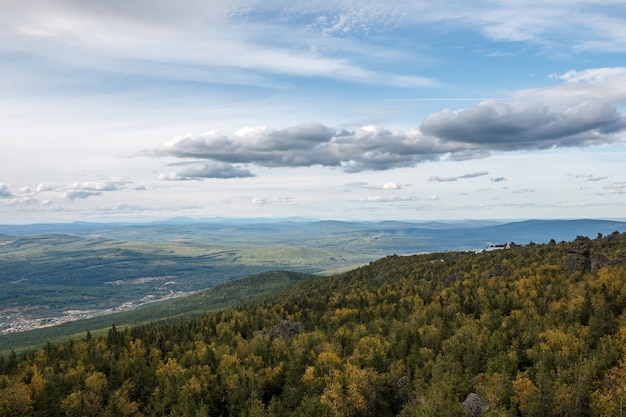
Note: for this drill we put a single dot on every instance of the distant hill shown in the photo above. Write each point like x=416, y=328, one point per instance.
x=428, y=236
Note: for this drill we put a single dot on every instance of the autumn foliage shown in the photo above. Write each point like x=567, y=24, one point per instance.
x=526, y=329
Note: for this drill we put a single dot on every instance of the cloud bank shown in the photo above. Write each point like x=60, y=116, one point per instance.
x=576, y=119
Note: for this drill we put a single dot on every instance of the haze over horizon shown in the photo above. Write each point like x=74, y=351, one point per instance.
x=145, y=110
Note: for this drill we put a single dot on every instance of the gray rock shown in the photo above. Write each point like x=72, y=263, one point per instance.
x=598, y=261
x=475, y=404
x=578, y=259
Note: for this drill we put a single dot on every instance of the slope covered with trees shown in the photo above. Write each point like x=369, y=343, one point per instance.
x=534, y=330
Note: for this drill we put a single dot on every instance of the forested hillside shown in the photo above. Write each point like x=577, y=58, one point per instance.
x=534, y=330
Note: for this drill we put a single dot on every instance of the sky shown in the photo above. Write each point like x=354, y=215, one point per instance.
x=140, y=110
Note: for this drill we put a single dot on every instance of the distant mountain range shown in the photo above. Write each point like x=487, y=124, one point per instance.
x=378, y=237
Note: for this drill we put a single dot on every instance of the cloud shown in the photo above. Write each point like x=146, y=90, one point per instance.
x=230, y=43
x=243, y=42
x=437, y=178
x=474, y=175
x=389, y=186
x=263, y=201
x=82, y=190
x=308, y=144
x=389, y=199
x=551, y=25
x=595, y=84
x=497, y=179
x=616, y=188
x=500, y=126
x=43, y=188
x=5, y=192
x=208, y=170
x=80, y=194
x=593, y=75
x=589, y=178
x=578, y=118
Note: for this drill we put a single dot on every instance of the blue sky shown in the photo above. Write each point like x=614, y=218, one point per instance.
x=368, y=110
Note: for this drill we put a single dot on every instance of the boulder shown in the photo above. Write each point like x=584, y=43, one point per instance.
x=475, y=404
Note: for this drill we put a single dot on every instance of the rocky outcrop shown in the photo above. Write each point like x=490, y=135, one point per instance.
x=598, y=261
x=285, y=329
x=475, y=404
x=578, y=259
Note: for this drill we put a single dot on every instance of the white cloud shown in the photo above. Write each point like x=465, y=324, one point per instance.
x=388, y=186
x=596, y=84
x=169, y=41
x=389, y=199
x=588, y=76
x=391, y=186
x=263, y=201
x=43, y=188
x=82, y=190
x=241, y=41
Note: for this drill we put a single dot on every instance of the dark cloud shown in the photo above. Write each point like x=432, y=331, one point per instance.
x=497, y=179
x=309, y=144
x=474, y=175
x=470, y=133
x=212, y=170
x=500, y=126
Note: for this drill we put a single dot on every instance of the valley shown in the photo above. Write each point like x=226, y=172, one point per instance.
x=59, y=273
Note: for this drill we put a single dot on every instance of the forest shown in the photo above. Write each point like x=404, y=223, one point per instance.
x=524, y=330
